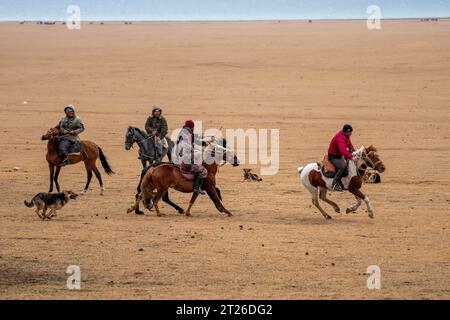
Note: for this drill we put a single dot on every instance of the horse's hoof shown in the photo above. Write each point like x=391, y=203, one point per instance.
x=161, y=215
x=337, y=210
x=328, y=217
x=187, y=214
x=229, y=214
x=350, y=211
x=181, y=212
x=139, y=213
x=371, y=216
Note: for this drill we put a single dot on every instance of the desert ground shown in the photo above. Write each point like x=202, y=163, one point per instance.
x=305, y=79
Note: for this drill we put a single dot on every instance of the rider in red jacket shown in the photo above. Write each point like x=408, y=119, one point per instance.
x=341, y=146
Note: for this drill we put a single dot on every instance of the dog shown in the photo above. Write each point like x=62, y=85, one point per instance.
x=250, y=176
x=50, y=201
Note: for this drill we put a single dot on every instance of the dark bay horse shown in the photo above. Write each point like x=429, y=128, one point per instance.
x=147, y=145
x=89, y=154
x=157, y=180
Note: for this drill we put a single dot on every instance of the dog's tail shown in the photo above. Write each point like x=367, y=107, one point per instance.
x=29, y=204
x=104, y=162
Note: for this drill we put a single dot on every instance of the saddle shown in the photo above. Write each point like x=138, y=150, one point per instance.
x=75, y=149
x=327, y=167
x=186, y=173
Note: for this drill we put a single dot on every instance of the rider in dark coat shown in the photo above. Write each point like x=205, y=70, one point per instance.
x=156, y=125
x=70, y=127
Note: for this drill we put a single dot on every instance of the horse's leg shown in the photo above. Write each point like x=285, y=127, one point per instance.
x=360, y=195
x=57, y=171
x=156, y=199
x=191, y=203
x=89, y=177
x=323, y=196
x=355, y=207
x=219, y=194
x=139, y=195
x=51, y=168
x=315, y=201
x=212, y=193
x=99, y=178
x=173, y=205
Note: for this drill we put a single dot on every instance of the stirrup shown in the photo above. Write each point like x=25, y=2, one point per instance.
x=64, y=163
x=199, y=191
x=338, y=187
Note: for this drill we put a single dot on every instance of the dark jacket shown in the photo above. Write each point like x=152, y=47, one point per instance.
x=159, y=124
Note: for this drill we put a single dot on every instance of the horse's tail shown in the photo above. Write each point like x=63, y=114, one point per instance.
x=29, y=204
x=104, y=162
x=300, y=169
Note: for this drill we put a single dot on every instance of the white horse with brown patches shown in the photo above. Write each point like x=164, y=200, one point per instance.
x=312, y=177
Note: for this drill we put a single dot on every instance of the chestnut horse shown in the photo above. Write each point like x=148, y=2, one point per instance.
x=318, y=185
x=158, y=179
x=89, y=154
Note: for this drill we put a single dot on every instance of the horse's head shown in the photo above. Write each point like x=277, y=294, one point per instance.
x=51, y=134
x=371, y=159
x=130, y=138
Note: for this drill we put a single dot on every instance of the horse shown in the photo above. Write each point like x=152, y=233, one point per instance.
x=147, y=145
x=89, y=154
x=312, y=177
x=164, y=176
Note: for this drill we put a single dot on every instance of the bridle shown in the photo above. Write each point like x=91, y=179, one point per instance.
x=368, y=162
x=139, y=142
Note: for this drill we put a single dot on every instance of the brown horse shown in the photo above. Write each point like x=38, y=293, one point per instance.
x=312, y=177
x=158, y=179
x=89, y=154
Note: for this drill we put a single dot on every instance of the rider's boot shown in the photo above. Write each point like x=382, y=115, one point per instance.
x=65, y=162
x=337, y=182
x=198, y=185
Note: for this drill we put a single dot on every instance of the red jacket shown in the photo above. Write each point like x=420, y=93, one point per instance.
x=340, y=146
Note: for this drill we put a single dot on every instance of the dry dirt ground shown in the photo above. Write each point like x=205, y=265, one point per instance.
x=305, y=79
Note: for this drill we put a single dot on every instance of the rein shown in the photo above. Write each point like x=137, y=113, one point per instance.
x=140, y=142
x=368, y=162
x=367, y=159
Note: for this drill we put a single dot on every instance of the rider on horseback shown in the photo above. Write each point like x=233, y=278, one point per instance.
x=156, y=126
x=340, y=150
x=70, y=127
x=189, y=156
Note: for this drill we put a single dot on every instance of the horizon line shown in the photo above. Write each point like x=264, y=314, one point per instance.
x=227, y=20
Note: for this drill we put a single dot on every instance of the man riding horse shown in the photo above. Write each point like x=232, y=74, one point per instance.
x=339, y=152
x=70, y=127
x=156, y=126
x=190, y=155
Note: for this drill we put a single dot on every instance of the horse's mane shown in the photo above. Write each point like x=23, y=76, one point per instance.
x=142, y=132
x=371, y=148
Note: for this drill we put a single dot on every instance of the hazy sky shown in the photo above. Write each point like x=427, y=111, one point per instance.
x=219, y=9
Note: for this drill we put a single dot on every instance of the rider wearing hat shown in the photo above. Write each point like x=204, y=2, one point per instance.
x=190, y=157
x=156, y=126
x=340, y=150
x=69, y=127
